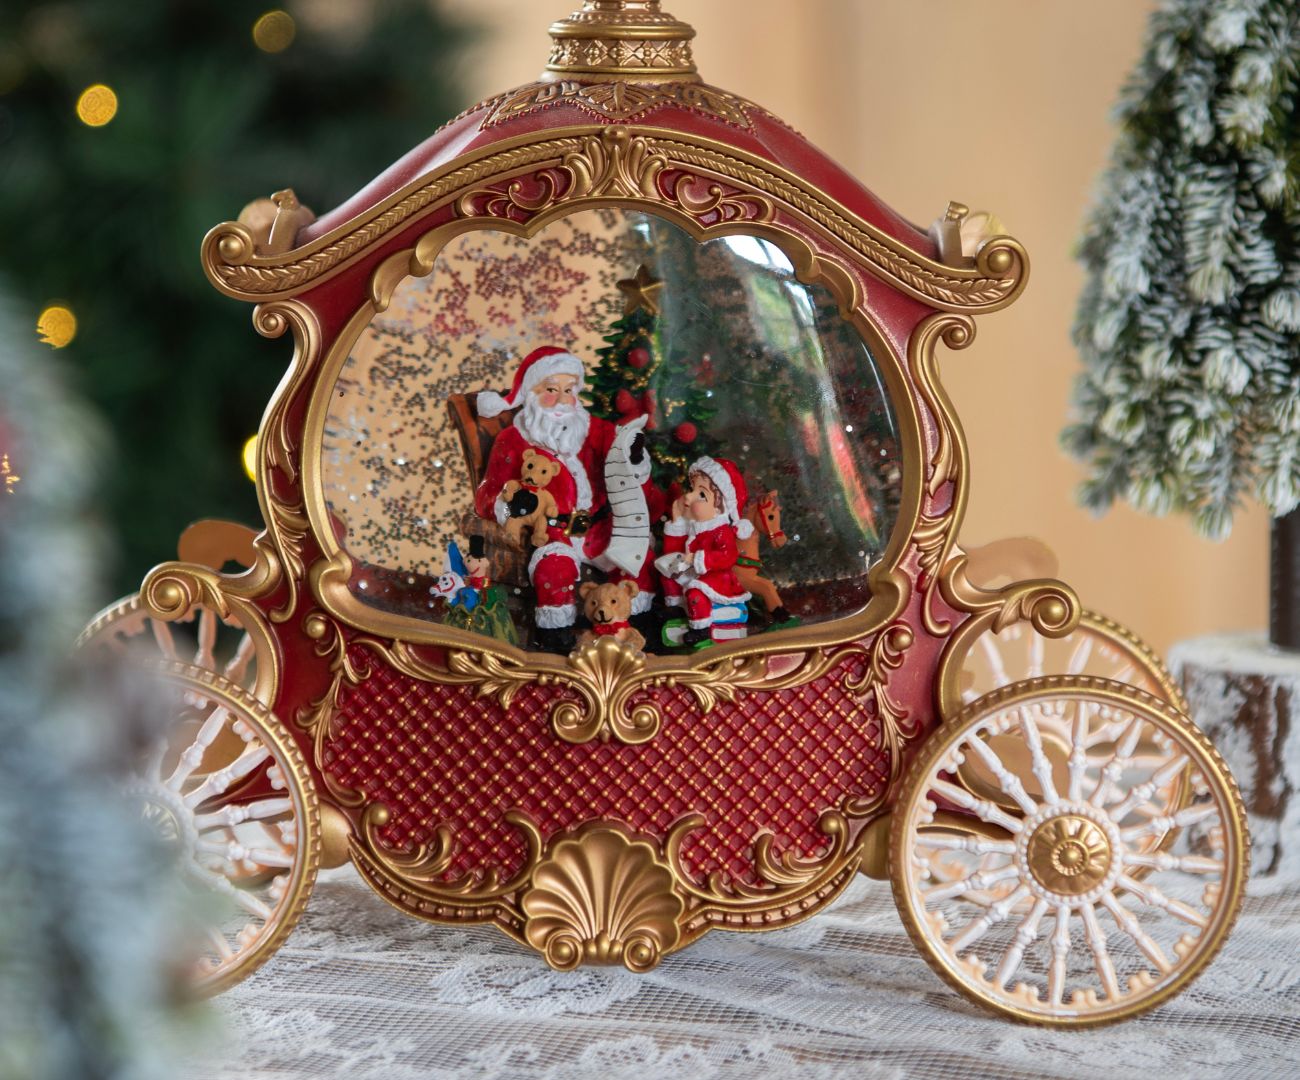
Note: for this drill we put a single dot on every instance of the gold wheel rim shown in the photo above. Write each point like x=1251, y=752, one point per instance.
x=128, y=618
x=1101, y=629
x=1096, y=898
x=299, y=789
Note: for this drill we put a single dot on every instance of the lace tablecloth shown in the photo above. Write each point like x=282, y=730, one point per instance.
x=361, y=991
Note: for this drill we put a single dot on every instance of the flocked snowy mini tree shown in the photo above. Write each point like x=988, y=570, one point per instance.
x=1189, y=324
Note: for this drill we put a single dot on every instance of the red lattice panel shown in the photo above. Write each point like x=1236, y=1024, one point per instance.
x=442, y=755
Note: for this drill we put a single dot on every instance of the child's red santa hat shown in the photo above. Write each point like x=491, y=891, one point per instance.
x=538, y=365
x=727, y=479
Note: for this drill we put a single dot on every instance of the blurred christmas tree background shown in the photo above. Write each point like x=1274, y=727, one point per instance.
x=127, y=130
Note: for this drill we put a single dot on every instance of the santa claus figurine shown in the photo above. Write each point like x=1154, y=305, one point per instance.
x=551, y=418
x=700, y=554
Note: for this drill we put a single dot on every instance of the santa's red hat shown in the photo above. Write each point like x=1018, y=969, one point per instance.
x=727, y=479
x=538, y=365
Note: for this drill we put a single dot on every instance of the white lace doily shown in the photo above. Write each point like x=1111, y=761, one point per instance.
x=363, y=992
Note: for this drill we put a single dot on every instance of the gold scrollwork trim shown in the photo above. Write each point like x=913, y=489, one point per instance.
x=423, y=870
x=957, y=332
x=606, y=675
x=887, y=655
x=996, y=278
x=1051, y=607
x=615, y=165
x=620, y=101
x=601, y=893
x=170, y=592
x=318, y=717
x=934, y=537
x=279, y=447
x=792, y=887
x=935, y=534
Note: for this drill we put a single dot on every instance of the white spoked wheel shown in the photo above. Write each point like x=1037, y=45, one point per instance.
x=127, y=632
x=243, y=830
x=1051, y=906
x=1098, y=647
x=203, y=638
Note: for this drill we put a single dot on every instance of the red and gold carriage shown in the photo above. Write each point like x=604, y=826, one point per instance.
x=1063, y=844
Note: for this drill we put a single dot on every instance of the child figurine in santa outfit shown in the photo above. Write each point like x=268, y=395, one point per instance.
x=700, y=554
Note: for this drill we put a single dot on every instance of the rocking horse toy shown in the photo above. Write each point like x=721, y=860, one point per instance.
x=764, y=517
x=1064, y=846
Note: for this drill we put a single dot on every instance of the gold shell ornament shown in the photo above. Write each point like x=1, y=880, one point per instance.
x=602, y=897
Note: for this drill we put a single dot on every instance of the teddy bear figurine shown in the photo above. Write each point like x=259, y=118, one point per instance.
x=538, y=469
x=609, y=609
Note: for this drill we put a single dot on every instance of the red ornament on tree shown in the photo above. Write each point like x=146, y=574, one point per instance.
x=639, y=358
x=685, y=432
x=625, y=403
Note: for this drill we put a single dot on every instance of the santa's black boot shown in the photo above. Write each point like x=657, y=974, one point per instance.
x=650, y=624
x=555, y=639
x=696, y=636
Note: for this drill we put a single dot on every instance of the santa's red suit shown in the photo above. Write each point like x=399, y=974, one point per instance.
x=578, y=489
x=709, y=548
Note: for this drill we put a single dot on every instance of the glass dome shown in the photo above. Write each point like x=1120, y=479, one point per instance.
x=718, y=345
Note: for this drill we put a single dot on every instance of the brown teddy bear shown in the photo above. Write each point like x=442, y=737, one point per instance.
x=537, y=470
x=609, y=607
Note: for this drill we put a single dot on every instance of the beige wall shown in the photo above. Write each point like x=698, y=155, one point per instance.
x=1003, y=106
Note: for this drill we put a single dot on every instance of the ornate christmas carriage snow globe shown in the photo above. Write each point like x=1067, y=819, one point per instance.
x=609, y=590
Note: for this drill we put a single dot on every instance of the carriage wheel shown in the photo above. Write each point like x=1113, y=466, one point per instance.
x=1052, y=923
x=1098, y=647
x=244, y=832
x=203, y=638
x=127, y=632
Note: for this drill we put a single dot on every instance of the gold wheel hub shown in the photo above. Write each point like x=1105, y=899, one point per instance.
x=1069, y=855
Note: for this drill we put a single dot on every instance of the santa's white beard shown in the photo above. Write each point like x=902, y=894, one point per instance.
x=562, y=430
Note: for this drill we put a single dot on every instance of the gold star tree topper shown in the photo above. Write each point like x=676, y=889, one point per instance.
x=641, y=291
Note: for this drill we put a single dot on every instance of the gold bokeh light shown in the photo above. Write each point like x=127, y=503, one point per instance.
x=57, y=325
x=97, y=105
x=274, y=32
x=249, y=457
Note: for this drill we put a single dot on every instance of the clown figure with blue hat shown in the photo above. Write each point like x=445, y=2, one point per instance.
x=473, y=602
